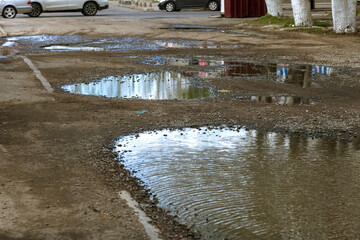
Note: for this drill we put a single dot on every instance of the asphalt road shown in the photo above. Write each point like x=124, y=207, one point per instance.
x=121, y=12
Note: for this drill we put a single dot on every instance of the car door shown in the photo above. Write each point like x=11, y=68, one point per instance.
x=55, y=5
x=75, y=4
x=195, y=3
x=180, y=4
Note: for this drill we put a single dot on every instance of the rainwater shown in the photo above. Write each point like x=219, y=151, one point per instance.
x=242, y=184
x=300, y=75
x=153, y=86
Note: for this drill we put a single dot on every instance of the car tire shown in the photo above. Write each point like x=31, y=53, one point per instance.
x=9, y=12
x=90, y=9
x=213, y=6
x=170, y=7
x=36, y=10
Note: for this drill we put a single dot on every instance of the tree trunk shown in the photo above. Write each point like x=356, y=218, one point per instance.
x=274, y=8
x=302, y=12
x=344, y=15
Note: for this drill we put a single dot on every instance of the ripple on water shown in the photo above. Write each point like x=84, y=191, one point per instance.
x=246, y=185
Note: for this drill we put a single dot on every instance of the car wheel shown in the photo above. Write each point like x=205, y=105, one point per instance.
x=90, y=9
x=170, y=7
x=9, y=12
x=36, y=10
x=213, y=5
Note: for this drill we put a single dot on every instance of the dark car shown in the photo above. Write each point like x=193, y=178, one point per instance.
x=177, y=5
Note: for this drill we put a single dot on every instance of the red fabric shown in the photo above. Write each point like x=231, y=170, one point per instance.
x=245, y=8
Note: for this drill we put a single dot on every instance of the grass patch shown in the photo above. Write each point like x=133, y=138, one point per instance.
x=268, y=19
x=325, y=24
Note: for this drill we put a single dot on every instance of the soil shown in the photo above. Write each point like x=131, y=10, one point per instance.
x=59, y=177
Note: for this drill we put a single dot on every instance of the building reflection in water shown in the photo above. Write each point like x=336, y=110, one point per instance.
x=300, y=75
x=284, y=100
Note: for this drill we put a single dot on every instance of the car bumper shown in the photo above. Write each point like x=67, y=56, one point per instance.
x=25, y=9
x=104, y=7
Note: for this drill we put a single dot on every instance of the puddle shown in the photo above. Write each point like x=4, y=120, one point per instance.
x=153, y=86
x=300, y=75
x=8, y=49
x=239, y=184
x=284, y=100
x=197, y=28
x=186, y=27
x=47, y=43
x=67, y=48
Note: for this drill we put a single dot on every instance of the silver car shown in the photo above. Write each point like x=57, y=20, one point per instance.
x=9, y=8
x=86, y=7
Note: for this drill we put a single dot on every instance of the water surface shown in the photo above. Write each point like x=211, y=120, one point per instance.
x=153, y=86
x=239, y=184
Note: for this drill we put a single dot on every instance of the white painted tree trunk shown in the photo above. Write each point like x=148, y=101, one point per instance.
x=344, y=15
x=302, y=12
x=274, y=8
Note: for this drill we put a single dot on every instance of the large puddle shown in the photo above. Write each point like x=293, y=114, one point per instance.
x=239, y=184
x=300, y=75
x=153, y=86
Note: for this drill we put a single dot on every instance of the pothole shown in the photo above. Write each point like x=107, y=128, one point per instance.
x=192, y=27
x=242, y=184
x=152, y=86
x=46, y=43
x=296, y=74
x=284, y=100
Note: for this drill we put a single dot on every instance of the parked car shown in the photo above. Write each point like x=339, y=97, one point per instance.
x=177, y=5
x=86, y=7
x=9, y=8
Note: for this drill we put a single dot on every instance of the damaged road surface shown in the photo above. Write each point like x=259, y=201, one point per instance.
x=293, y=109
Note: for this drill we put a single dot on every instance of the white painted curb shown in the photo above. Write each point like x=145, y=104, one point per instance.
x=38, y=74
x=152, y=231
x=3, y=33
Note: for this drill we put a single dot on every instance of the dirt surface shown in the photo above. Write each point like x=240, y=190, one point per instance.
x=58, y=176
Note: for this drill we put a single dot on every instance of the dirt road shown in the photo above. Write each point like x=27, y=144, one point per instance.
x=58, y=176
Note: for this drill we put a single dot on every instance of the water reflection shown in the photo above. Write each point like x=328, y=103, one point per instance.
x=240, y=184
x=300, y=75
x=284, y=100
x=156, y=86
x=8, y=49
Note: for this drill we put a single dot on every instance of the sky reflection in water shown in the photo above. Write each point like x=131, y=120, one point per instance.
x=154, y=86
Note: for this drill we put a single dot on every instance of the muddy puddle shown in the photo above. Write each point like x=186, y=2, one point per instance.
x=242, y=184
x=283, y=100
x=301, y=75
x=196, y=28
x=47, y=43
x=152, y=86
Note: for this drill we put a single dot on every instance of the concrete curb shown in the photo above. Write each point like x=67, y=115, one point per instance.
x=143, y=5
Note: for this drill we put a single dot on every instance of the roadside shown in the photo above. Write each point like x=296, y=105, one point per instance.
x=59, y=179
